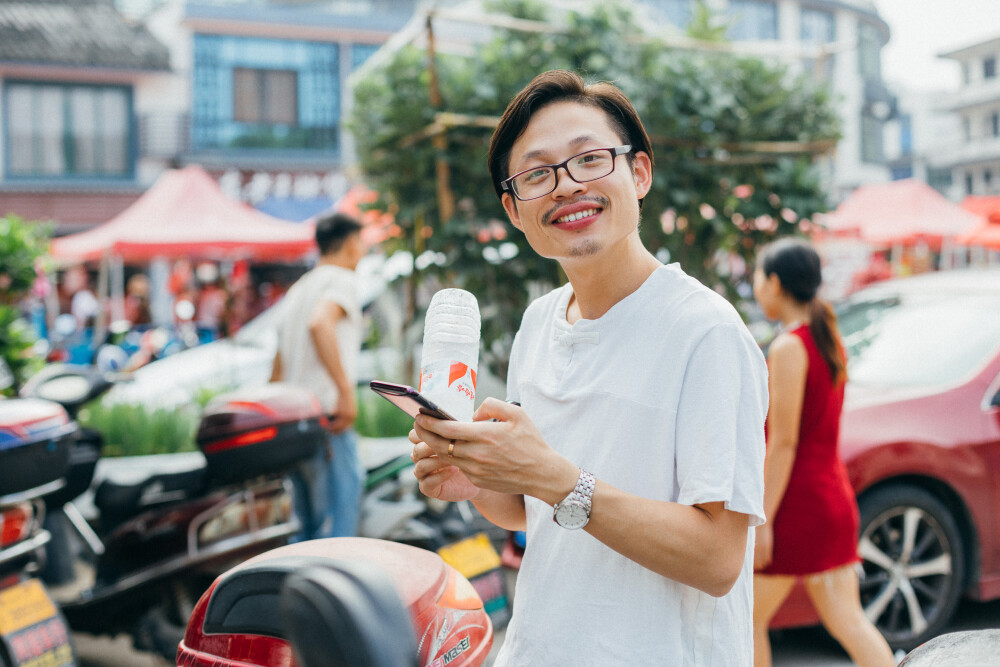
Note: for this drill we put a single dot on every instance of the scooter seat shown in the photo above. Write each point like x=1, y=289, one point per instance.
x=347, y=614
x=118, y=500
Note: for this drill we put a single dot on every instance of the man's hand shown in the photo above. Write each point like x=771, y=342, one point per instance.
x=502, y=451
x=438, y=478
x=345, y=412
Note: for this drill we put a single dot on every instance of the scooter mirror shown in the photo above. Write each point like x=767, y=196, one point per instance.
x=110, y=359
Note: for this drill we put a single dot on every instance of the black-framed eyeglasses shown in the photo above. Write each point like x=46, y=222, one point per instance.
x=582, y=168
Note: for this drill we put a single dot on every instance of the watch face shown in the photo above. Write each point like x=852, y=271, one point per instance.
x=572, y=514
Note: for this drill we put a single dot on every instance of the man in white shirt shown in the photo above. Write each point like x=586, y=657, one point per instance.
x=643, y=398
x=319, y=341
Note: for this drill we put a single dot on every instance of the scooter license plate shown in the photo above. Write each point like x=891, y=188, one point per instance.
x=31, y=627
x=472, y=556
x=476, y=559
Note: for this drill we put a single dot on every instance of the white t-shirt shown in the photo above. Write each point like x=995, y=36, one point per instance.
x=300, y=364
x=663, y=397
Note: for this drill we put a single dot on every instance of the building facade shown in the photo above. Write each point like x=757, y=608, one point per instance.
x=257, y=92
x=838, y=40
x=72, y=77
x=974, y=158
x=99, y=97
x=260, y=93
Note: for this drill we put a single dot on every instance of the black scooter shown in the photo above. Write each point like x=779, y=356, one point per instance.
x=158, y=543
x=34, y=458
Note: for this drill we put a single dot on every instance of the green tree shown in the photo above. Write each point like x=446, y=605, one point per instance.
x=22, y=245
x=734, y=140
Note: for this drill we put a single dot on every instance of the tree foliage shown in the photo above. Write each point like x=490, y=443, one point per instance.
x=22, y=245
x=734, y=141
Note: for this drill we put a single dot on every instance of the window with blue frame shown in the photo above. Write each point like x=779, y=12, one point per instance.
x=752, y=21
x=67, y=130
x=265, y=93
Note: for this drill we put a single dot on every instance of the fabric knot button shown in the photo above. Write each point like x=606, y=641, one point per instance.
x=569, y=338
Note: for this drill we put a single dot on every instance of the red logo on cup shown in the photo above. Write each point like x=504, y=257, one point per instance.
x=458, y=371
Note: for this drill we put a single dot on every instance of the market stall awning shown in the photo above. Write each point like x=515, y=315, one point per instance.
x=900, y=212
x=186, y=214
x=987, y=234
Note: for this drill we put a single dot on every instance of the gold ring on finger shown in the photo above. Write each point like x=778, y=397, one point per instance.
x=451, y=448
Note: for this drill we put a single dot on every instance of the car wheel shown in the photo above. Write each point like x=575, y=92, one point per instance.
x=914, y=564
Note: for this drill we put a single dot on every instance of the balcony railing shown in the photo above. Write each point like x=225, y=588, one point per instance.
x=979, y=93
x=977, y=151
x=168, y=135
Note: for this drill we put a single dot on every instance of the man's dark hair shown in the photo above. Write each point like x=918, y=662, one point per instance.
x=333, y=229
x=563, y=86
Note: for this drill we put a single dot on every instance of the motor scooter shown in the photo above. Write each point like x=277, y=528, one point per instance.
x=157, y=543
x=339, y=601
x=34, y=458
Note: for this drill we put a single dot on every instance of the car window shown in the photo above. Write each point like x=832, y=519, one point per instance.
x=919, y=341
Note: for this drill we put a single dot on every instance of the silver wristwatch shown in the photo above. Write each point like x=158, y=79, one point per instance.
x=574, y=510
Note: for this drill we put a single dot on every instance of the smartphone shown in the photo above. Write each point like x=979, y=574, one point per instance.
x=408, y=399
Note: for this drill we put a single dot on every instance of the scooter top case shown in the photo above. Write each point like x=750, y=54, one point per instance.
x=238, y=620
x=260, y=430
x=35, y=440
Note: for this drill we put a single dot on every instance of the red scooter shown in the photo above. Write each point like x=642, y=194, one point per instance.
x=336, y=602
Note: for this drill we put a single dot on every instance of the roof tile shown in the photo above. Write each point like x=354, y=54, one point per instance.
x=82, y=33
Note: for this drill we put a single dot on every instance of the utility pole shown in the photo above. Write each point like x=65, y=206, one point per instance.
x=446, y=198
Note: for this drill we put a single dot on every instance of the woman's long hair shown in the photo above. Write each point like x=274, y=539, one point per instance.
x=797, y=266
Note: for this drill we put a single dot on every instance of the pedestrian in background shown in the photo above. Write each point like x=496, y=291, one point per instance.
x=319, y=342
x=635, y=459
x=812, y=527
x=137, y=308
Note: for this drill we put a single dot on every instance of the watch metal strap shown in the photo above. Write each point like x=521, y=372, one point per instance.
x=583, y=492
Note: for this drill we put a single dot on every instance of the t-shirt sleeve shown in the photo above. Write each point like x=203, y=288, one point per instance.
x=341, y=289
x=513, y=391
x=720, y=423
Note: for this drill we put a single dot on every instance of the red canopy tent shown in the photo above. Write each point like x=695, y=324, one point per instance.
x=900, y=212
x=186, y=214
x=986, y=235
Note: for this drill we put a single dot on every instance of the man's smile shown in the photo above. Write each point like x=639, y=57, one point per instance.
x=572, y=217
x=576, y=215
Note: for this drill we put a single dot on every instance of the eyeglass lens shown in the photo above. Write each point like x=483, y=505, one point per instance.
x=584, y=167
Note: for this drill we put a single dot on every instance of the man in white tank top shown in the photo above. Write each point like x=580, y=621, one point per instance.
x=319, y=341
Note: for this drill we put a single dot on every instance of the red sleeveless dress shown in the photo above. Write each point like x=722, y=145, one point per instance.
x=816, y=525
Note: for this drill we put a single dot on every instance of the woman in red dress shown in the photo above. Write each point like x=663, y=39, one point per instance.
x=812, y=527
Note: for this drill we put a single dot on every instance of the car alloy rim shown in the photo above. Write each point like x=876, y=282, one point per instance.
x=907, y=571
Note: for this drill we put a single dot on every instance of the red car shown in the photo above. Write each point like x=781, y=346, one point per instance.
x=921, y=439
